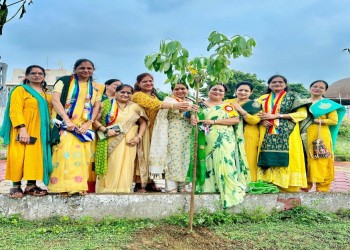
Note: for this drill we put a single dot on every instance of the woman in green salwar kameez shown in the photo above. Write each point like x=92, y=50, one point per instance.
x=225, y=163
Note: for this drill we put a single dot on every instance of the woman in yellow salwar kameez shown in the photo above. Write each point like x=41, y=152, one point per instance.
x=27, y=116
x=76, y=102
x=323, y=121
x=145, y=95
x=248, y=110
x=116, y=154
x=225, y=169
x=281, y=157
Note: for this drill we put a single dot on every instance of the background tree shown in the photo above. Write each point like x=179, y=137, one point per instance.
x=239, y=76
x=300, y=89
x=4, y=11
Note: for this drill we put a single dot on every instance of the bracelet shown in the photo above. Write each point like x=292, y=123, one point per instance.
x=21, y=126
x=92, y=121
x=139, y=136
x=172, y=106
x=214, y=121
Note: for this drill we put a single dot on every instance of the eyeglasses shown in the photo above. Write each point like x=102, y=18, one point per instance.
x=124, y=92
x=36, y=73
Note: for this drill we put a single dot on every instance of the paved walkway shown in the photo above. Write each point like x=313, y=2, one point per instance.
x=341, y=183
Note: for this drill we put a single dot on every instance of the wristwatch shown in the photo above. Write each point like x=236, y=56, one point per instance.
x=105, y=133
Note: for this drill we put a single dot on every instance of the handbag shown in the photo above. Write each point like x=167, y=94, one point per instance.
x=319, y=149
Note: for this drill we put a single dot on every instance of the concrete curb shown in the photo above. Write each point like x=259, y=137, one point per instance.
x=156, y=206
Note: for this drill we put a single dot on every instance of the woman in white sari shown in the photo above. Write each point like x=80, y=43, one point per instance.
x=170, y=144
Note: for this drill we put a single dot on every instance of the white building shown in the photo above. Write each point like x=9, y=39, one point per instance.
x=51, y=76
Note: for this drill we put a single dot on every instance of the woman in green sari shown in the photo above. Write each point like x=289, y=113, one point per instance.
x=224, y=167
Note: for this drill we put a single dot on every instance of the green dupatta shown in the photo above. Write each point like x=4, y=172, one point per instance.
x=252, y=107
x=274, y=151
x=201, y=155
x=102, y=145
x=317, y=109
x=44, y=128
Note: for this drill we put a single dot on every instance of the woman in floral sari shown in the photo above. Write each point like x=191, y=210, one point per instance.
x=116, y=153
x=76, y=102
x=170, y=147
x=281, y=158
x=225, y=164
x=323, y=121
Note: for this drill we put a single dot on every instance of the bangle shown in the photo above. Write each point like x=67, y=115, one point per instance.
x=214, y=121
x=139, y=136
x=21, y=126
x=92, y=121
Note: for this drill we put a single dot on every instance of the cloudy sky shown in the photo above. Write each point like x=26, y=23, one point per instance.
x=303, y=40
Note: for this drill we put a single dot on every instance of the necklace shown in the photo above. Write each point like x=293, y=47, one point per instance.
x=121, y=107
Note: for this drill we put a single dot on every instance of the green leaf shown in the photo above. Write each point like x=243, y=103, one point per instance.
x=185, y=52
x=171, y=47
x=166, y=66
x=150, y=59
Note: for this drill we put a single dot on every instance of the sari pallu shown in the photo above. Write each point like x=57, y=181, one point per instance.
x=274, y=151
x=102, y=145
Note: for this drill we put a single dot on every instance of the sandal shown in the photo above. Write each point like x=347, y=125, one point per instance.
x=16, y=192
x=152, y=187
x=35, y=191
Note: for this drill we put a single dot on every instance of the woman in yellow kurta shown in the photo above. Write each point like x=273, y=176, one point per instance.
x=27, y=116
x=323, y=119
x=76, y=102
x=116, y=154
x=248, y=111
x=281, y=157
x=145, y=95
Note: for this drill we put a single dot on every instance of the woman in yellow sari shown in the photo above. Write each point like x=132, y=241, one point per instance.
x=123, y=123
x=145, y=95
x=281, y=157
x=26, y=131
x=76, y=102
x=248, y=110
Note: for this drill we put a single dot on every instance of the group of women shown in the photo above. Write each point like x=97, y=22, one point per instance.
x=129, y=138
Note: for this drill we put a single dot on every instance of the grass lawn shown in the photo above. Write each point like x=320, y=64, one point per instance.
x=299, y=228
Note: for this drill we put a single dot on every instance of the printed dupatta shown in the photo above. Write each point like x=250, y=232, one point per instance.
x=108, y=116
x=73, y=93
x=274, y=151
x=317, y=109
